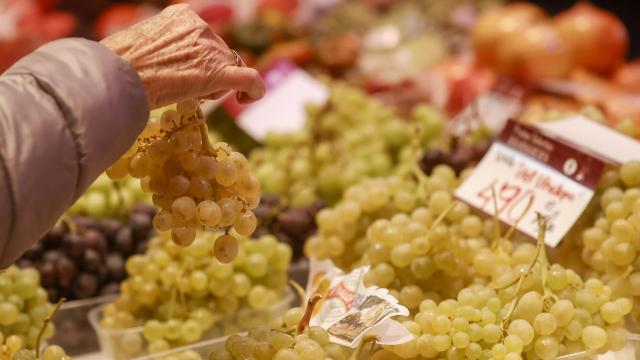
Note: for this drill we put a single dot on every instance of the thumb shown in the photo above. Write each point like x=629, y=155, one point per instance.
x=243, y=79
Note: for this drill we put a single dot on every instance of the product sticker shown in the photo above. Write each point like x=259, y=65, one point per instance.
x=349, y=310
x=531, y=172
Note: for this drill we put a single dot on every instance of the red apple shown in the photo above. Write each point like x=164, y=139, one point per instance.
x=628, y=76
x=535, y=52
x=598, y=39
x=498, y=24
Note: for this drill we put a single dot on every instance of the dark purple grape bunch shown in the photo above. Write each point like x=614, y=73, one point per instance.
x=290, y=225
x=460, y=157
x=89, y=260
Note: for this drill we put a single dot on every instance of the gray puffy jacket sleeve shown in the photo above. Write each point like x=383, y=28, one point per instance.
x=67, y=111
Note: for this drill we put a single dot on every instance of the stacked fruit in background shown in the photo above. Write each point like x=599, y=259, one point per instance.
x=83, y=257
x=28, y=24
x=474, y=290
x=348, y=139
x=611, y=242
x=24, y=305
x=178, y=295
x=351, y=137
x=107, y=198
x=291, y=225
x=520, y=40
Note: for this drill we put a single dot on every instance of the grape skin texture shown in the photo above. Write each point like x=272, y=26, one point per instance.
x=192, y=183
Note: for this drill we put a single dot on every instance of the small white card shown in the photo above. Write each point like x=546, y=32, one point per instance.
x=524, y=166
x=289, y=89
x=594, y=137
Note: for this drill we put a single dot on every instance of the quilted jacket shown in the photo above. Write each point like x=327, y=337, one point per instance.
x=67, y=111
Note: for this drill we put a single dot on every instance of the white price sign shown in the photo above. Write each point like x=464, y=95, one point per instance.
x=525, y=166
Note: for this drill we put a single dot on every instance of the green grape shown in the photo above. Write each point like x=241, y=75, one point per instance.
x=23, y=354
x=256, y=265
x=191, y=331
x=546, y=347
x=281, y=340
x=593, y=337
x=53, y=352
x=153, y=330
x=292, y=317
x=544, y=324
x=8, y=313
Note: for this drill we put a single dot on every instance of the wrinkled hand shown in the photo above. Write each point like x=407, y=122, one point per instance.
x=177, y=56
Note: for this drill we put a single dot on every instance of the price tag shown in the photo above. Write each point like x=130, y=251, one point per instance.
x=590, y=135
x=289, y=89
x=524, y=166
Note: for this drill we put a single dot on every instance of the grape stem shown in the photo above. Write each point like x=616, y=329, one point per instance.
x=118, y=188
x=367, y=339
x=204, y=134
x=69, y=223
x=496, y=221
x=540, y=253
x=46, y=322
x=299, y=290
x=308, y=311
x=181, y=127
x=522, y=215
x=440, y=218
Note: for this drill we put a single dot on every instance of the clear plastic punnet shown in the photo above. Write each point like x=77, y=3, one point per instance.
x=120, y=344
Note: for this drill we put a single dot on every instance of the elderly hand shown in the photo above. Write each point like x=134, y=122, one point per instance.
x=177, y=56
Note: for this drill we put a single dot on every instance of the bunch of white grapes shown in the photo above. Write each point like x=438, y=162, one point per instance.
x=546, y=312
x=12, y=348
x=194, y=184
x=108, y=198
x=264, y=344
x=288, y=337
x=413, y=234
x=24, y=306
x=177, y=293
x=349, y=138
x=612, y=243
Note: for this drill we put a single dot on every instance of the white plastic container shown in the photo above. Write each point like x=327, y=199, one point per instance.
x=120, y=344
x=202, y=349
x=73, y=330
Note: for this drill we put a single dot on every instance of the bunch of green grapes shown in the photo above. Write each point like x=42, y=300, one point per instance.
x=612, y=243
x=112, y=198
x=288, y=337
x=545, y=312
x=108, y=198
x=411, y=231
x=265, y=344
x=349, y=138
x=344, y=233
x=194, y=184
x=24, y=306
x=179, y=293
x=12, y=348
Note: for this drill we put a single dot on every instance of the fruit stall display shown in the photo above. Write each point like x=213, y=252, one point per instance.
x=183, y=249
